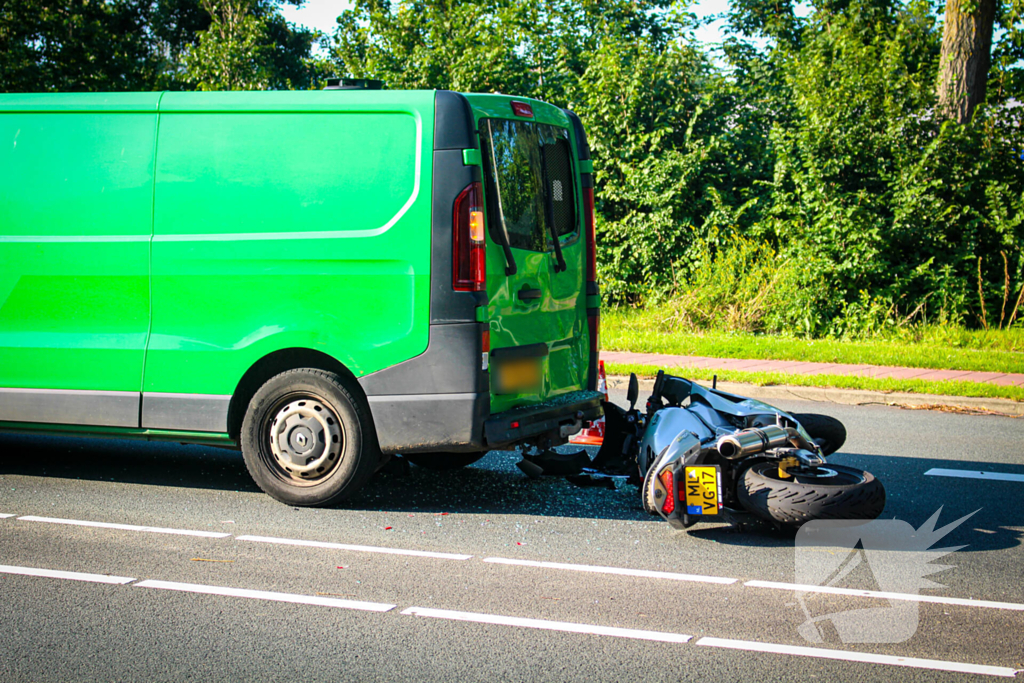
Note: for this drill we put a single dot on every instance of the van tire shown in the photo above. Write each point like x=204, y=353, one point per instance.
x=307, y=439
x=443, y=462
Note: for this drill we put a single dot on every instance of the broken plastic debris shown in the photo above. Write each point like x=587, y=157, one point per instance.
x=386, y=528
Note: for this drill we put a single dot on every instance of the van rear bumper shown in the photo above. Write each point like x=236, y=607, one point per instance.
x=422, y=423
x=558, y=417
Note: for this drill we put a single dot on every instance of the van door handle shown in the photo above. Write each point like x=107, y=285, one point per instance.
x=527, y=294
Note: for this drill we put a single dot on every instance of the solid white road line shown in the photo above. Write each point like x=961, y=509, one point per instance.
x=809, y=588
x=975, y=474
x=71, y=576
x=266, y=595
x=357, y=548
x=125, y=527
x=849, y=656
x=5, y=516
x=644, y=573
x=546, y=625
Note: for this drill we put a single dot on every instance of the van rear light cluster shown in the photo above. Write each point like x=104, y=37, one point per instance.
x=469, y=263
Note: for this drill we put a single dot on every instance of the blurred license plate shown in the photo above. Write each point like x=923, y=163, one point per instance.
x=703, y=490
x=518, y=375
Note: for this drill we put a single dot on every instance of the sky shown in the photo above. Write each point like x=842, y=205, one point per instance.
x=320, y=14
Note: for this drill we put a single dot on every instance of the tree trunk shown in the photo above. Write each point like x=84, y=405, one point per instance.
x=966, y=48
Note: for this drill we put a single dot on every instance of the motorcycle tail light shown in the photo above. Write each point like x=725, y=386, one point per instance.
x=670, y=491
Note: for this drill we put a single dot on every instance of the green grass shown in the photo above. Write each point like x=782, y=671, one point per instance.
x=915, y=386
x=934, y=347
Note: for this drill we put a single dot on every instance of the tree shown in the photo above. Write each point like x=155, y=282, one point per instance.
x=966, y=57
x=231, y=54
x=75, y=45
x=249, y=46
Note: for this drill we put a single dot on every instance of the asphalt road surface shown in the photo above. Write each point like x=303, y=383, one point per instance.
x=129, y=561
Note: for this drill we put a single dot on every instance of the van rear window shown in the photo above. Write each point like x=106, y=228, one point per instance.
x=529, y=182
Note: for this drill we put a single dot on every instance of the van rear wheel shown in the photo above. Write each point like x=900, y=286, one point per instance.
x=306, y=438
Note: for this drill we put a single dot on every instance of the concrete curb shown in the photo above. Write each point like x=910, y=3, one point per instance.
x=856, y=397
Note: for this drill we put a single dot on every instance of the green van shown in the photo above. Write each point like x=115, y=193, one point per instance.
x=321, y=279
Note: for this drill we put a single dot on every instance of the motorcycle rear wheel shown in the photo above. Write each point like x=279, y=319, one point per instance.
x=829, y=492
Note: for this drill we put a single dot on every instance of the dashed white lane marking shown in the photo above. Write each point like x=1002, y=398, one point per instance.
x=975, y=474
x=125, y=527
x=357, y=548
x=547, y=625
x=647, y=574
x=266, y=595
x=849, y=656
x=71, y=576
x=808, y=588
x=5, y=516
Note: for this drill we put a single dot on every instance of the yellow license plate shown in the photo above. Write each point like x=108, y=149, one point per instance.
x=518, y=375
x=703, y=490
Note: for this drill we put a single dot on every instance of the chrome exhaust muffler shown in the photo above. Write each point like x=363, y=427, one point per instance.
x=757, y=440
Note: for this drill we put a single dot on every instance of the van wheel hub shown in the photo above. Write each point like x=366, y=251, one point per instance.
x=305, y=438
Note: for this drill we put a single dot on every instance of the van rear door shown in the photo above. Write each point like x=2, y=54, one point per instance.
x=535, y=255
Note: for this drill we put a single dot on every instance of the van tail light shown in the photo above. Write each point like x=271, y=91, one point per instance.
x=469, y=264
x=588, y=215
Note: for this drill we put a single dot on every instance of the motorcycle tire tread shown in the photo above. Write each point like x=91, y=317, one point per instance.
x=794, y=503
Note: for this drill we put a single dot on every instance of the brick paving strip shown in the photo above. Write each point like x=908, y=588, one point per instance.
x=805, y=368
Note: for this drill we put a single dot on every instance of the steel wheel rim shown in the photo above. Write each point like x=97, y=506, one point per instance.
x=306, y=439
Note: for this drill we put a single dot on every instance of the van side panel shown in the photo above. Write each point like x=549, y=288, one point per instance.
x=76, y=192
x=285, y=220
x=439, y=400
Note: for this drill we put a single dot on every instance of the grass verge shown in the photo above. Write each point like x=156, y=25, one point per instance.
x=649, y=331
x=915, y=386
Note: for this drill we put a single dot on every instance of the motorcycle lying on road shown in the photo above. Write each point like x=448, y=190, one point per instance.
x=707, y=455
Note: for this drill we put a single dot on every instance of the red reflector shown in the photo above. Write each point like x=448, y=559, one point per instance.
x=522, y=109
x=487, y=341
x=670, y=497
x=469, y=252
x=515, y=425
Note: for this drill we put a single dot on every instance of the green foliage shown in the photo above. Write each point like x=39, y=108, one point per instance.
x=73, y=45
x=231, y=54
x=118, y=45
x=896, y=206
